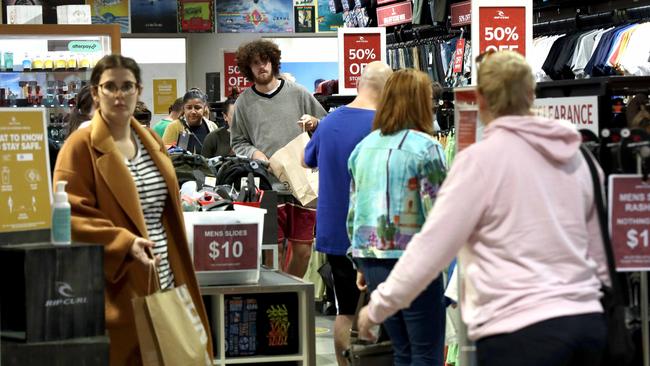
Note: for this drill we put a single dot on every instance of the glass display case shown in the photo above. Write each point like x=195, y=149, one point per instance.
x=47, y=65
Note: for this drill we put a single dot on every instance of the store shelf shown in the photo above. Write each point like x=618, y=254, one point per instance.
x=258, y=359
x=270, y=282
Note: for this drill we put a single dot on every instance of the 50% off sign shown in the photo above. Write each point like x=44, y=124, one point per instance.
x=501, y=34
x=359, y=51
x=502, y=28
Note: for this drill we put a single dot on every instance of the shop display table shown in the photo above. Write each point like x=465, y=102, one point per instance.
x=271, y=321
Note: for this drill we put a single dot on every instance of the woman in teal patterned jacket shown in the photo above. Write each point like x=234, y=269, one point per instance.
x=396, y=173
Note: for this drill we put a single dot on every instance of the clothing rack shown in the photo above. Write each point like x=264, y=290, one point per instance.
x=588, y=21
x=402, y=34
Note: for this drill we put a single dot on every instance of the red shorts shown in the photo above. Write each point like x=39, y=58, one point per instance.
x=296, y=223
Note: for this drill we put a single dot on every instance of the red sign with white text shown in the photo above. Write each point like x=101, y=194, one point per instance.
x=232, y=78
x=395, y=14
x=225, y=247
x=459, y=56
x=629, y=221
x=502, y=28
x=359, y=49
x=461, y=14
x=466, y=117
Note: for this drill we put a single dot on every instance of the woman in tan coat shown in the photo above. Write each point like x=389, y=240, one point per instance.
x=124, y=195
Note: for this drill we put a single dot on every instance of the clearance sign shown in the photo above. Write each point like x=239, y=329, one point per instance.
x=581, y=111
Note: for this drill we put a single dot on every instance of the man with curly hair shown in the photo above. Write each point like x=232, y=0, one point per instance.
x=268, y=115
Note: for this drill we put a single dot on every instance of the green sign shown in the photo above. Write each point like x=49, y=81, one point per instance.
x=84, y=46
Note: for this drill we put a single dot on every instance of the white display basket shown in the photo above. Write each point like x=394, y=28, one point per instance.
x=228, y=245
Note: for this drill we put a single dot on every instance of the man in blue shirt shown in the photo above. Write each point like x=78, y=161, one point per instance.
x=329, y=149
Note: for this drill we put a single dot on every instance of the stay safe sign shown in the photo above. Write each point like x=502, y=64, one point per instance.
x=357, y=48
x=232, y=78
x=225, y=247
x=629, y=222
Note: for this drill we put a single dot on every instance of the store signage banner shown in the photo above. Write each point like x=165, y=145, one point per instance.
x=164, y=95
x=461, y=14
x=394, y=14
x=232, y=78
x=629, y=222
x=503, y=28
x=24, y=171
x=196, y=16
x=225, y=247
x=357, y=48
x=268, y=16
x=500, y=25
x=113, y=12
x=328, y=20
x=157, y=16
x=581, y=111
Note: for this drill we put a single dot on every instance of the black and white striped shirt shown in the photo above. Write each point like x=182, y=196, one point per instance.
x=152, y=191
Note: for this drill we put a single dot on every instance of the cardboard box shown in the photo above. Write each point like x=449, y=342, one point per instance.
x=52, y=292
x=24, y=14
x=73, y=14
x=79, y=352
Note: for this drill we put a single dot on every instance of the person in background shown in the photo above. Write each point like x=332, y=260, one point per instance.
x=175, y=112
x=520, y=207
x=123, y=194
x=329, y=150
x=269, y=115
x=83, y=110
x=217, y=143
x=192, y=122
x=396, y=172
x=142, y=114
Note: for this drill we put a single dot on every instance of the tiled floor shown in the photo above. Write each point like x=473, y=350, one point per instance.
x=325, y=355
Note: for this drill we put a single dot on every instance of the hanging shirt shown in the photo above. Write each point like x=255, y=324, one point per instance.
x=152, y=191
x=636, y=58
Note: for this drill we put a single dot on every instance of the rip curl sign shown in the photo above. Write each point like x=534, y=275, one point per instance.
x=84, y=46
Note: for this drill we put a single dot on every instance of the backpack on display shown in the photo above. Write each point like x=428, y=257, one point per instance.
x=234, y=168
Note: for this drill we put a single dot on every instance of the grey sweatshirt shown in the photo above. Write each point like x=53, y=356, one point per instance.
x=269, y=122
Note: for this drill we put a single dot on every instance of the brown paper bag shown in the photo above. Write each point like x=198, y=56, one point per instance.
x=170, y=330
x=287, y=167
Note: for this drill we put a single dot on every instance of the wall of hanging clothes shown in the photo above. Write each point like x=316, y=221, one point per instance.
x=608, y=50
x=434, y=56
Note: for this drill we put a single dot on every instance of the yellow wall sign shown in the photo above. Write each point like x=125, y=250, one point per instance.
x=25, y=188
x=164, y=95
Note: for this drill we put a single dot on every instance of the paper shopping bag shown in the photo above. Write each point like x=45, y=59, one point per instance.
x=287, y=167
x=170, y=330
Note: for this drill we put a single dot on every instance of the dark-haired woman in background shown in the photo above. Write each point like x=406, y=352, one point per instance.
x=217, y=143
x=83, y=110
x=192, y=122
x=124, y=195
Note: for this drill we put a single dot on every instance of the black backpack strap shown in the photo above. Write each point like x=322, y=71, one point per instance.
x=602, y=220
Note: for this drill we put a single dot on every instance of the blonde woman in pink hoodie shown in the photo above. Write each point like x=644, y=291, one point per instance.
x=518, y=210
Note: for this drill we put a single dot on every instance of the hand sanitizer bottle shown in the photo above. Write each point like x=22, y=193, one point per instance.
x=61, y=215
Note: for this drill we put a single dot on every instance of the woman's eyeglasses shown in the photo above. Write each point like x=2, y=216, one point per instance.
x=110, y=89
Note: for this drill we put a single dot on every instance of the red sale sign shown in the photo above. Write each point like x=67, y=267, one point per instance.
x=459, y=55
x=502, y=28
x=232, y=78
x=394, y=14
x=629, y=222
x=461, y=14
x=225, y=247
x=359, y=49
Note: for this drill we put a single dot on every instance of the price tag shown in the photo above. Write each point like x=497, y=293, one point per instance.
x=359, y=50
x=232, y=78
x=225, y=247
x=502, y=28
x=629, y=222
x=461, y=13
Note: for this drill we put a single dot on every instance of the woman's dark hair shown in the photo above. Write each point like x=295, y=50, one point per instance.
x=195, y=93
x=266, y=50
x=177, y=106
x=81, y=112
x=115, y=61
x=142, y=113
x=227, y=104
